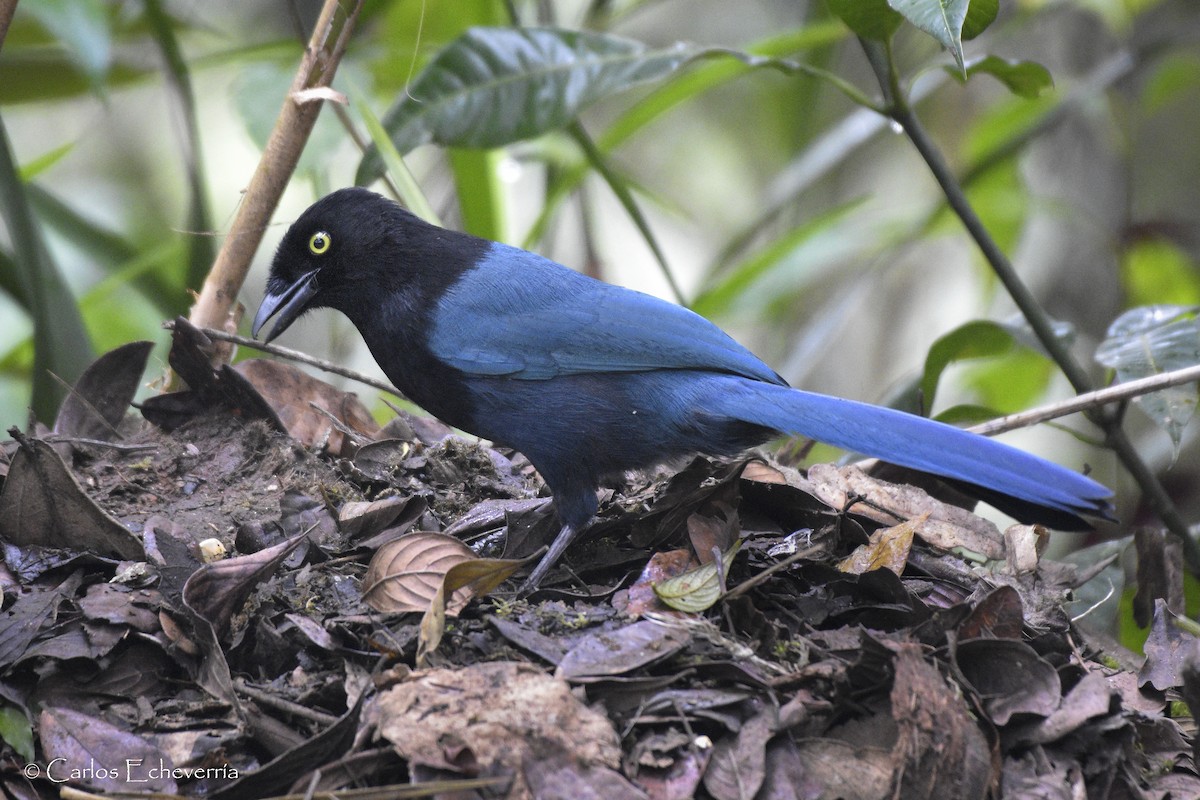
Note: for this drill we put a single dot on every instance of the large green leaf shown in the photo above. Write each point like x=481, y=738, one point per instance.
x=494, y=86
x=870, y=19
x=941, y=19
x=975, y=339
x=1008, y=368
x=980, y=15
x=682, y=87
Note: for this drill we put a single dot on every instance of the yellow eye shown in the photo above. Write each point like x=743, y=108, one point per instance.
x=319, y=243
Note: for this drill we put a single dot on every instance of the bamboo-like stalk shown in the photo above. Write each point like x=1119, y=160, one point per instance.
x=216, y=306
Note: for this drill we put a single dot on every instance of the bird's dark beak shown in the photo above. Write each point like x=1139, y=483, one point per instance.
x=288, y=304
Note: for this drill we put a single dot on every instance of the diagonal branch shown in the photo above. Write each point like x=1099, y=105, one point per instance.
x=897, y=107
x=214, y=307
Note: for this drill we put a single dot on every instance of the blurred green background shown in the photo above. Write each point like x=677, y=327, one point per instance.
x=802, y=223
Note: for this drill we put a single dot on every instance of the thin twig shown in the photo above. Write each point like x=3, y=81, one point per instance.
x=1119, y=393
x=296, y=355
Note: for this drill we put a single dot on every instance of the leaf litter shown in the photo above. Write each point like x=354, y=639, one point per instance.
x=864, y=640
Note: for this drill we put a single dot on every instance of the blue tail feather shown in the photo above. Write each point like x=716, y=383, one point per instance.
x=922, y=444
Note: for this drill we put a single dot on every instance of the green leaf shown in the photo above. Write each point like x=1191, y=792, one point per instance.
x=1023, y=78
x=682, y=87
x=870, y=19
x=494, y=86
x=941, y=19
x=1159, y=271
x=1151, y=340
x=1175, y=77
x=975, y=339
x=402, y=178
x=259, y=90
x=967, y=414
x=81, y=25
x=201, y=249
x=732, y=284
x=28, y=76
x=38, y=165
x=62, y=349
x=980, y=15
x=16, y=731
x=1011, y=382
x=697, y=590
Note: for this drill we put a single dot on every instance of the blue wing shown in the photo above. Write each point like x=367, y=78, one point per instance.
x=519, y=315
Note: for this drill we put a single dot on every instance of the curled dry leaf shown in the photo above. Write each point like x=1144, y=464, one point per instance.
x=476, y=576
x=218, y=590
x=407, y=572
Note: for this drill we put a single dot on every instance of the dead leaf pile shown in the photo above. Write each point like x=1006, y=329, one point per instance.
x=827, y=634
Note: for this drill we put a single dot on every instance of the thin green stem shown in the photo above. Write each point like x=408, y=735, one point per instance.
x=621, y=190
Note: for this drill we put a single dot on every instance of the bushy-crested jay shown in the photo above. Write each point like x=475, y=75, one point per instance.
x=590, y=380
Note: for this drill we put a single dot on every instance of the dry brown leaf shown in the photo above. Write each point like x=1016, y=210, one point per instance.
x=406, y=573
x=947, y=527
x=476, y=577
x=499, y=714
x=293, y=393
x=217, y=591
x=762, y=472
x=43, y=504
x=888, y=547
x=1024, y=545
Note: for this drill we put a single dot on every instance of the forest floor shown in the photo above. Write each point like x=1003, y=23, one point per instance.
x=244, y=598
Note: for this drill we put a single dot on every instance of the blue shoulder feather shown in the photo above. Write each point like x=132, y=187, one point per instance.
x=519, y=315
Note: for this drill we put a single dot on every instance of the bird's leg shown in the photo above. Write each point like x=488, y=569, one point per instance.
x=560, y=543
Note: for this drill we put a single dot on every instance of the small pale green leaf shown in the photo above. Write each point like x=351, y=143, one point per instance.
x=941, y=19
x=870, y=19
x=980, y=15
x=16, y=731
x=34, y=167
x=1023, y=78
x=258, y=92
x=1174, y=78
x=696, y=590
x=1151, y=340
x=494, y=86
